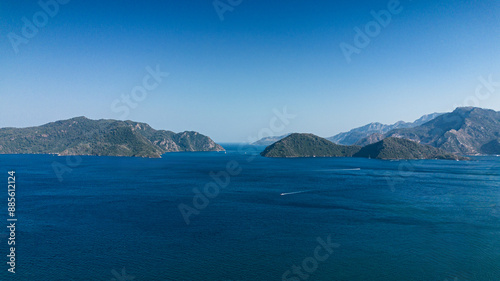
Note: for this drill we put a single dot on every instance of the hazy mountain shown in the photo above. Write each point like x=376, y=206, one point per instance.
x=269, y=140
x=308, y=145
x=82, y=136
x=396, y=148
x=355, y=135
x=466, y=130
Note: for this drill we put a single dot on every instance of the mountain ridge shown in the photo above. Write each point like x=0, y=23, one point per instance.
x=354, y=135
x=103, y=137
x=393, y=148
x=466, y=130
x=309, y=145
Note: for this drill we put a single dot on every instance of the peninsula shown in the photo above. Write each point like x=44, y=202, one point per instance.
x=105, y=137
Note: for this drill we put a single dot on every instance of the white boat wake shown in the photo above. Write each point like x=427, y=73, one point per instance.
x=296, y=192
x=347, y=169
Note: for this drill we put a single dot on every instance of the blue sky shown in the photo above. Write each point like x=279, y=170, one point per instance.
x=227, y=77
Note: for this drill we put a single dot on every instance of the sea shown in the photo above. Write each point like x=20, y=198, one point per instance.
x=237, y=216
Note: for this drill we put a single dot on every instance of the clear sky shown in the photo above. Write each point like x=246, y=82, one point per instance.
x=226, y=77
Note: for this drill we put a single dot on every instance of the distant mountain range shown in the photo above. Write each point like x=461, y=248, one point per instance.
x=309, y=145
x=355, y=135
x=269, y=140
x=82, y=136
x=466, y=131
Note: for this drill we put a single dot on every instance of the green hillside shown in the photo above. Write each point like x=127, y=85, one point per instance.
x=308, y=145
x=397, y=148
x=82, y=136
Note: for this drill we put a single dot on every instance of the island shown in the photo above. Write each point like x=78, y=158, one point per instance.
x=392, y=148
x=309, y=145
x=105, y=137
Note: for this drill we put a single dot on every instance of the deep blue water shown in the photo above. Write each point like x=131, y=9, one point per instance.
x=392, y=220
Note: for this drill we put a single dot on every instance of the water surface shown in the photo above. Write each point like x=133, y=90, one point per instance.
x=393, y=220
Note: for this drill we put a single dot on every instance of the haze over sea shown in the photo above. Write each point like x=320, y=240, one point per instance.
x=392, y=220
